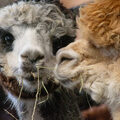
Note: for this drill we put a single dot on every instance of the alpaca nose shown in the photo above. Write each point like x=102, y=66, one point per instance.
x=32, y=56
x=66, y=56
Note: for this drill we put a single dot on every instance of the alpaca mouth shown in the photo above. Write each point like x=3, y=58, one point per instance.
x=12, y=85
x=31, y=78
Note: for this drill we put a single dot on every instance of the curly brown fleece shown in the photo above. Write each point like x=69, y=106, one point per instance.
x=99, y=23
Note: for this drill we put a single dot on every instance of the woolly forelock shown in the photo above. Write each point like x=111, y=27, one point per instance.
x=99, y=22
x=32, y=14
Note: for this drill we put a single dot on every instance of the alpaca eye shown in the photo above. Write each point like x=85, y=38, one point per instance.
x=7, y=39
x=61, y=42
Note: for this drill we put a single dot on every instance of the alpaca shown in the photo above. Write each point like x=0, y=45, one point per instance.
x=93, y=61
x=30, y=36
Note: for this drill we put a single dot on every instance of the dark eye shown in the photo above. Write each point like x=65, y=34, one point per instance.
x=7, y=38
x=61, y=42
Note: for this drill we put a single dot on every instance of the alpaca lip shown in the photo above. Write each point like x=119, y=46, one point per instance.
x=31, y=78
x=28, y=68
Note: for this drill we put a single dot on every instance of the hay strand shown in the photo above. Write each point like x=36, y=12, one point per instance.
x=45, y=67
x=81, y=81
x=46, y=92
x=39, y=90
x=10, y=114
x=20, y=91
x=88, y=101
x=37, y=94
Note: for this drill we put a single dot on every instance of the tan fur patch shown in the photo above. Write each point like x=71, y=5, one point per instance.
x=99, y=22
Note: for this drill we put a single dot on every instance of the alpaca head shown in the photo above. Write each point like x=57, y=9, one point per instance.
x=96, y=70
x=94, y=63
x=30, y=35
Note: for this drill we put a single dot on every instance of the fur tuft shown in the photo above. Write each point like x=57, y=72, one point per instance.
x=100, y=25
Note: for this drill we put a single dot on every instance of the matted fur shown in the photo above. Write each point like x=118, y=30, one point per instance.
x=94, y=60
x=32, y=14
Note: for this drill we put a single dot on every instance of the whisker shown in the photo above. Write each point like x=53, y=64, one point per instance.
x=45, y=67
x=7, y=99
x=11, y=106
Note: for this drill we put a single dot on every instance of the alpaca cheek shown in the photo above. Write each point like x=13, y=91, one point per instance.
x=11, y=63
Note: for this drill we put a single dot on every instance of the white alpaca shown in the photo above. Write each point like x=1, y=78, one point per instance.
x=28, y=34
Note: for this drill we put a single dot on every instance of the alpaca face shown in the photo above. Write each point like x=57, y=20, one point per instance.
x=93, y=61
x=97, y=68
x=24, y=50
x=28, y=39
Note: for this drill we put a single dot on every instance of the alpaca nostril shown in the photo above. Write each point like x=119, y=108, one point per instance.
x=63, y=59
x=32, y=56
x=40, y=57
x=24, y=56
x=66, y=56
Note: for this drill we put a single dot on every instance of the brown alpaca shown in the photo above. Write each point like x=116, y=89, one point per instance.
x=95, y=58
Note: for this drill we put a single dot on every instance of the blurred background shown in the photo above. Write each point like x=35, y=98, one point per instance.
x=5, y=2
